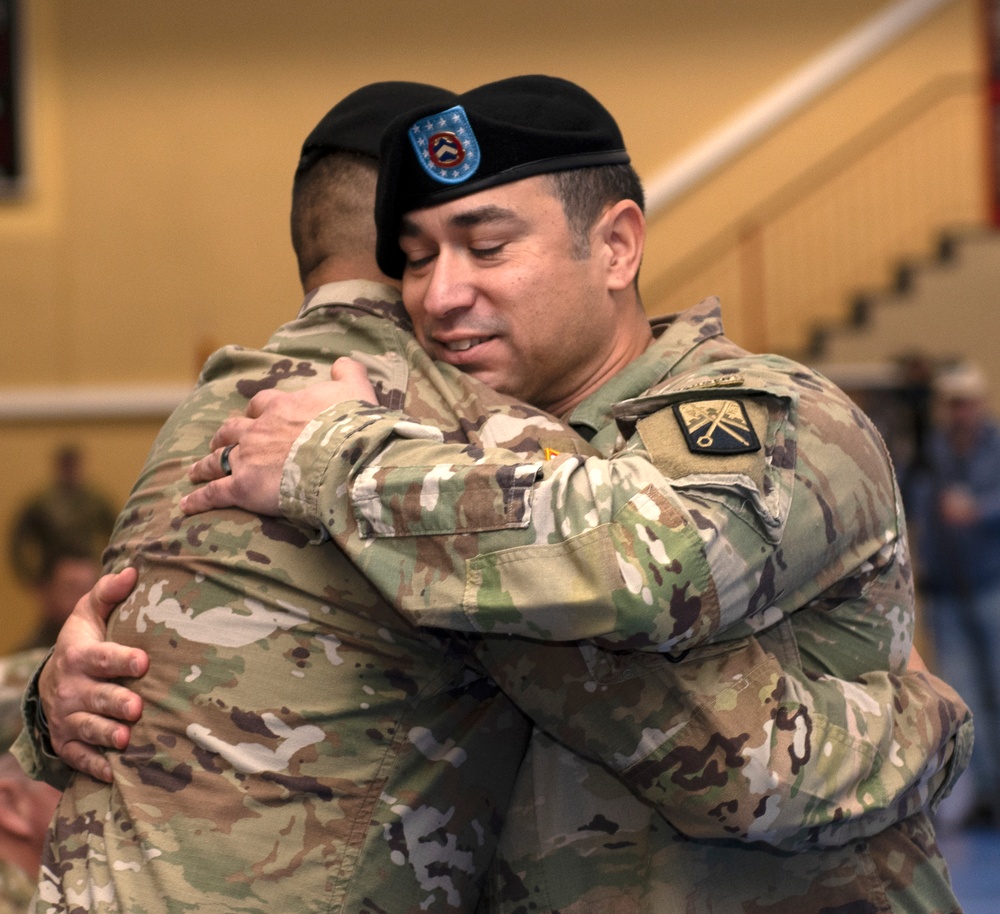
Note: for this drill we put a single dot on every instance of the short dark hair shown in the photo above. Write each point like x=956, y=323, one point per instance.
x=585, y=192
x=332, y=209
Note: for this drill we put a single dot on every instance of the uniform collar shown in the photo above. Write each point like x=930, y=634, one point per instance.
x=675, y=337
x=347, y=291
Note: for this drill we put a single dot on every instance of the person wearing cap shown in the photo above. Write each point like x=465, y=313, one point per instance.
x=955, y=512
x=741, y=499
x=186, y=752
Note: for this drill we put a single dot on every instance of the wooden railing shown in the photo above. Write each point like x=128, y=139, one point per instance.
x=785, y=100
x=795, y=260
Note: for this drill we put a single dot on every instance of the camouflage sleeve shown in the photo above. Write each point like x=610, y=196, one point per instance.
x=654, y=548
x=451, y=513
x=16, y=671
x=735, y=741
x=32, y=747
x=731, y=743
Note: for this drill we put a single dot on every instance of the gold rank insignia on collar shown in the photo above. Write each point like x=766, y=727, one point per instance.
x=716, y=427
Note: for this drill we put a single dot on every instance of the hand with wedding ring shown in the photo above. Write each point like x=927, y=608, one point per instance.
x=249, y=452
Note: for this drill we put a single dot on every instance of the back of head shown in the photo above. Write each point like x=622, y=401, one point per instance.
x=495, y=134
x=356, y=123
x=68, y=465
x=332, y=212
x=334, y=187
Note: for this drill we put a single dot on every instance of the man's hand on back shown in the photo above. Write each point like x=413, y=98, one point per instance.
x=257, y=444
x=85, y=711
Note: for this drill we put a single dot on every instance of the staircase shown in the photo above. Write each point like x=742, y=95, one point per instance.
x=945, y=308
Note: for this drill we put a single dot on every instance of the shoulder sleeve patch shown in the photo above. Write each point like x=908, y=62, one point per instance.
x=716, y=427
x=708, y=437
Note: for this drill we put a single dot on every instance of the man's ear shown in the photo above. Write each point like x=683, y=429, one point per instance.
x=15, y=809
x=622, y=231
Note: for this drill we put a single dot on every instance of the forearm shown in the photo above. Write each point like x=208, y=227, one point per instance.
x=493, y=540
x=731, y=743
x=578, y=544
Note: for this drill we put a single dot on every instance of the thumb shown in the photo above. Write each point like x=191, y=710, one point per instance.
x=348, y=369
x=111, y=589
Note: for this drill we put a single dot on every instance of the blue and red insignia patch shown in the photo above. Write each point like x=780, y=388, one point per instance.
x=445, y=145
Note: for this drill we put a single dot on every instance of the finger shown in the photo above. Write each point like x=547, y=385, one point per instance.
x=102, y=660
x=206, y=469
x=97, y=732
x=259, y=402
x=354, y=376
x=216, y=494
x=230, y=432
x=215, y=466
x=88, y=760
x=210, y=467
x=343, y=366
x=349, y=371
x=107, y=702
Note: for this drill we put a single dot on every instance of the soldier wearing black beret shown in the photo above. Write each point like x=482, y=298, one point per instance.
x=516, y=223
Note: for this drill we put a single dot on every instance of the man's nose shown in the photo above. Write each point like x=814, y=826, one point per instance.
x=449, y=286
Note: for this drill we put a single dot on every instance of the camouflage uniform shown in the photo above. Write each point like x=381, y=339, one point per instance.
x=16, y=886
x=708, y=559
x=15, y=673
x=630, y=701
x=302, y=746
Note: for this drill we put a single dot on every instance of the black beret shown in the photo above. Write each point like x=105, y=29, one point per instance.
x=500, y=132
x=356, y=123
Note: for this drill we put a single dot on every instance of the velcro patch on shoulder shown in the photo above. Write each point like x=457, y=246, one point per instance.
x=708, y=437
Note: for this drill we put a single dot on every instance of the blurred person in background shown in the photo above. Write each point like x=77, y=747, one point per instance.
x=26, y=806
x=955, y=512
x=66, y=576
x=69, y=516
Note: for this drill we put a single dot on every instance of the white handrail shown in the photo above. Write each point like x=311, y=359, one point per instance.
x=788, y=98
x=134, y=401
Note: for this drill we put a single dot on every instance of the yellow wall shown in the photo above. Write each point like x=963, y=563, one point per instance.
x=161, y=139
